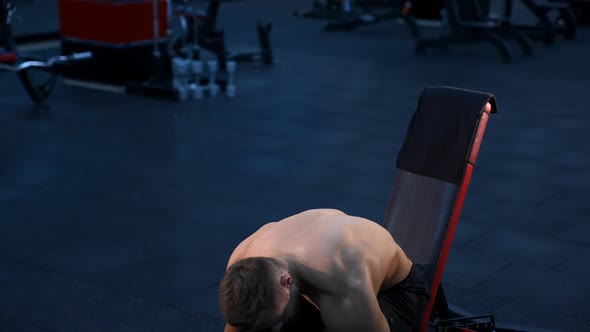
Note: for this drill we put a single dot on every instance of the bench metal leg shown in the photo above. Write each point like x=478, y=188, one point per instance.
x=411, y=23
x=546, y=25
x=522, y=39
x=568, y=23
x=500, y=45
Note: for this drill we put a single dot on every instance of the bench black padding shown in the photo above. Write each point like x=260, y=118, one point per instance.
x=435, y=165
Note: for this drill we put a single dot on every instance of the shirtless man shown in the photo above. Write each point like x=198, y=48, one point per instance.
x=321, y=270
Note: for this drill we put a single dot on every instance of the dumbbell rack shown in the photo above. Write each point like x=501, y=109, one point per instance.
x=181, y=78
x=189, y=80
x=193, y=79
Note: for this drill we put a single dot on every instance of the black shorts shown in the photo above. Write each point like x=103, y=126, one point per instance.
x=402, y=305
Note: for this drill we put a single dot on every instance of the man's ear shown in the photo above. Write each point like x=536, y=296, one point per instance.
x=286, y=280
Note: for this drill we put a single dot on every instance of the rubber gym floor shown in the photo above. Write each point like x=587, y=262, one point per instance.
x=118, y=212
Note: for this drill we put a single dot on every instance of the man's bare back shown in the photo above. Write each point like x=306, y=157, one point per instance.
x=328, y=250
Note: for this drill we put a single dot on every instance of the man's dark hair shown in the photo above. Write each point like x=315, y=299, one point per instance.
x=248, y=288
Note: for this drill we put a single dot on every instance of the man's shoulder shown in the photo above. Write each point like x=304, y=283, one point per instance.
x=324, y=211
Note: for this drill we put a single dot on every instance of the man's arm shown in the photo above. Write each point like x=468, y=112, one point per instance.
x=229, y=328
x=355, y=309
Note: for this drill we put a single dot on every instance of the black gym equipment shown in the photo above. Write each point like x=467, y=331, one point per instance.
x=141, y=46
x=551, y=19
x=434, y=168
x=326, y=10
x=200, y=32
x=581, y=9
x=7, y=12
x=466, y=23
x=346, y=15
x=24, y=66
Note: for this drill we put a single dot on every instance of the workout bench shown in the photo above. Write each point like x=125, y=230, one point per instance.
x=469, y=24
x=202, y=32
x=546, y=29
x=347, y=15
x=435, y=165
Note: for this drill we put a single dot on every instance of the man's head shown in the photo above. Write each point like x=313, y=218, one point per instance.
x=258, y=293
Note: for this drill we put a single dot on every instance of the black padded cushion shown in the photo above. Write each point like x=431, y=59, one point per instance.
x=441, y=131
x=418, y=215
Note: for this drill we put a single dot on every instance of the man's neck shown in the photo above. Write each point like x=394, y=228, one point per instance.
x=303, y=276
x=294, y=271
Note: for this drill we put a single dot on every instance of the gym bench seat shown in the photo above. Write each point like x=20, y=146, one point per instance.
x=434, y=169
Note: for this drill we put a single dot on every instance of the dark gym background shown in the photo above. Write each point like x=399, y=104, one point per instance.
x=118, y=212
